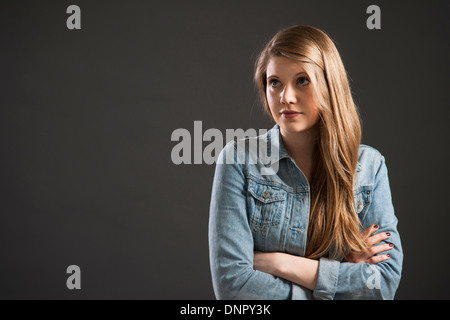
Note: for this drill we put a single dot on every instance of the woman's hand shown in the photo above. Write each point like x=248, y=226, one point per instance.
x=373, y=241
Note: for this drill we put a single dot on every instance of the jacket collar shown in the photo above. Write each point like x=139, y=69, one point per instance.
x=273, y=138
x=278, y=151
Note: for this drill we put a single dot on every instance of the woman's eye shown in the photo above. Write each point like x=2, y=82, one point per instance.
x=303, y=81
x=274, y=83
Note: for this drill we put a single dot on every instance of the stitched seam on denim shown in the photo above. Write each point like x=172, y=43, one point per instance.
x=300, y=191
x=285, y=228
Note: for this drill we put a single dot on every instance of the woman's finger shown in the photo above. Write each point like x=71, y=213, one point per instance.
x=381, y=248
x=380, y=258
x=377, y=238
x=370, y=230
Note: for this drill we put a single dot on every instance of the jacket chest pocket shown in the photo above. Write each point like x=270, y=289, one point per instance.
x=362, y=200
x=266, y=204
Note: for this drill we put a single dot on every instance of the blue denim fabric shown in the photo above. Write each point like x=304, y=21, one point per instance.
x=251, y=211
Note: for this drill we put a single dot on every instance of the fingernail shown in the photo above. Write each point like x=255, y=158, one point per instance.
x=388, y=255
x=391, y=245
x=376, y=226
x=388, y=234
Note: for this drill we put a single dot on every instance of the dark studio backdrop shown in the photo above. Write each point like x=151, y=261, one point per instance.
x=86, y=118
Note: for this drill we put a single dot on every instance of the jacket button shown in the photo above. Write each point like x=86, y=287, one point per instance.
x=266, y=194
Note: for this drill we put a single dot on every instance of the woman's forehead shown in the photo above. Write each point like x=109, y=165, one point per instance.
x=284, y=66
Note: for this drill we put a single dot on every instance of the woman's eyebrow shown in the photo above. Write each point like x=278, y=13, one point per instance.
x=297, y=74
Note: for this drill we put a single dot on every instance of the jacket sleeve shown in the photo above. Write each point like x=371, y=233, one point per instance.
x=342, y=280
x=231, y=244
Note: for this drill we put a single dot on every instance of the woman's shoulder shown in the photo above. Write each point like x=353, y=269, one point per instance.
x=369, y=159
x=368, y=151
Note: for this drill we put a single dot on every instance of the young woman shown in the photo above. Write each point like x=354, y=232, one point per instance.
x=322, y=224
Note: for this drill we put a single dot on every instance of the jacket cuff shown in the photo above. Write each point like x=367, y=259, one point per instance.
x=327, y=279
x=300, y=293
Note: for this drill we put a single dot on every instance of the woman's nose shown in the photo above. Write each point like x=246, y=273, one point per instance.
x=288, y=95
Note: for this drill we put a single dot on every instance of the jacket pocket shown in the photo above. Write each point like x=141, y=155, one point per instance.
x=266, y=203
x=363, y=198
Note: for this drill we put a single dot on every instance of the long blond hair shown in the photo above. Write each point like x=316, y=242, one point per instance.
x=334, y=227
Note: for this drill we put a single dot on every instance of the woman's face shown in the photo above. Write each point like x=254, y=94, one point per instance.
x=290, y=95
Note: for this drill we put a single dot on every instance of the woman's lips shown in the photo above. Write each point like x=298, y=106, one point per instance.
x=290, y=114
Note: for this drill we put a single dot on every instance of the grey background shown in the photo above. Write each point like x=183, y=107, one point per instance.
x=86, y=118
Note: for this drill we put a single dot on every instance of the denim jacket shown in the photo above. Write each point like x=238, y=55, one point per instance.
x=252, y=210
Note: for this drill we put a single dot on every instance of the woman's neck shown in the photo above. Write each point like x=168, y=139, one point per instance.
x=300, y=146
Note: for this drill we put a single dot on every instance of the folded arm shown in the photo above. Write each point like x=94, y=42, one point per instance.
x=372, y=275
x=231, y=243
x=304, y=271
